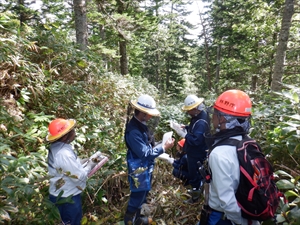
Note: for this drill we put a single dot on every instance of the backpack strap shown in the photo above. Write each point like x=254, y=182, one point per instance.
x=197, y=122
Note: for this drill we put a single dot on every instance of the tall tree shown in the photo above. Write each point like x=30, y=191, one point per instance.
x=288, y=13
x=81, y=25
x=243, y=35
x=168, y=62
x=121, y=9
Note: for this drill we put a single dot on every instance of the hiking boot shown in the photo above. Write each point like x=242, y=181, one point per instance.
x=129, y=218
x=191, y=200
x=143, y=220
x=195, y=196
x=195, y=192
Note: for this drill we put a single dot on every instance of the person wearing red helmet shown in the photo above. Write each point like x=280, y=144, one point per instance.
x=180, y=164
x=67, y=175
x=231, y=120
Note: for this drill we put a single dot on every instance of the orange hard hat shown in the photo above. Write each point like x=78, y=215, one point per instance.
x=181, y=142
x=234, y=102
x=58, y=128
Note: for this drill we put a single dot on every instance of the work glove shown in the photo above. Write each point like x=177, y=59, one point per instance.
x=182, y=133
x=90, y=165
x=166, y=157
x=170, y=160
x=82, y=161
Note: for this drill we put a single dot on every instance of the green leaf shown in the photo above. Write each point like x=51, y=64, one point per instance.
x=290, y=193
x=4, y=215
x=285, y=184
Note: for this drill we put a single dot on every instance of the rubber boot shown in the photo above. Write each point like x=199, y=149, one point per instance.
x=129, y=218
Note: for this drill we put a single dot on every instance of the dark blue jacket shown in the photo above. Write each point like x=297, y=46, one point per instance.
x=138, y=141
x=195, y=145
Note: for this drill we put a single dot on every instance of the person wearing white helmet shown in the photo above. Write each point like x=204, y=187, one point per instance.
x=194, y=146
x=140, y=156
x=63, y=160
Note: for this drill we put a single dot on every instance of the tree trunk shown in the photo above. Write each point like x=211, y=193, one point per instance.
x=123, y=59
x=218, y=67
x=288, y=12
x=21, y=7
x=122, y=42
x=207, y=58
x=81, y=23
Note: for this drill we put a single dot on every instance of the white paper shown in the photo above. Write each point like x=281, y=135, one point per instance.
x=175, y=126
x=167, y=136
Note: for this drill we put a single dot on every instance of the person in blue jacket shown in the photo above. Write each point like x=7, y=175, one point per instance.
x=180, y=164
x=141, y=156
x=195, y=145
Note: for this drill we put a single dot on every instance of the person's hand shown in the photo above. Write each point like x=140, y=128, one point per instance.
x=170, y=160
x=91, y=164
x=82, y=161
x=182, y=133
x=169, y=144
x=166, y=157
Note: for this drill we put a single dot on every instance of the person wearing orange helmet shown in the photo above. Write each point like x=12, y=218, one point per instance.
x=231, y=120
x=180, y=164
x=67, y=174
x=141, y=154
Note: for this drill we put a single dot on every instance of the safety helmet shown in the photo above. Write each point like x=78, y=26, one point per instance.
x=191, y=101
x=58, y=128
x=181, y=142
x=234, y=102
x=146, y=104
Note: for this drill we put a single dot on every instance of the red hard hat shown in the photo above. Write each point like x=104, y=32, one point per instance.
x=58, y=128
x=181, y=142
x=234, y=102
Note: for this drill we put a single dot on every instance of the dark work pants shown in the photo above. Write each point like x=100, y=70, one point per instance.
x=70, y=213
x=195, y=177
x=215, y=218
x=136, y=200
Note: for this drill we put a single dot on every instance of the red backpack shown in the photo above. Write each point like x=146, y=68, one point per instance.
x=257, y=194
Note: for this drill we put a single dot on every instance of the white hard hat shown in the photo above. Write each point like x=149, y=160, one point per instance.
x=191, y=101
x=146, y=104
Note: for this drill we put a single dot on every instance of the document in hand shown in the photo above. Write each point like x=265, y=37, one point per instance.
x=167, y=136
x=96, y=157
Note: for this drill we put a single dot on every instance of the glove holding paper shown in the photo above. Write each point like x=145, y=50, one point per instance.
x=166, y=157
x=95, y=162
x=179, y=130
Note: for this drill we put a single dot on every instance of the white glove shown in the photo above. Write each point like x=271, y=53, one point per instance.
x=182, y=133
x=166, y=157
x=82, y=161
x=90, y=165
x=170, y=160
